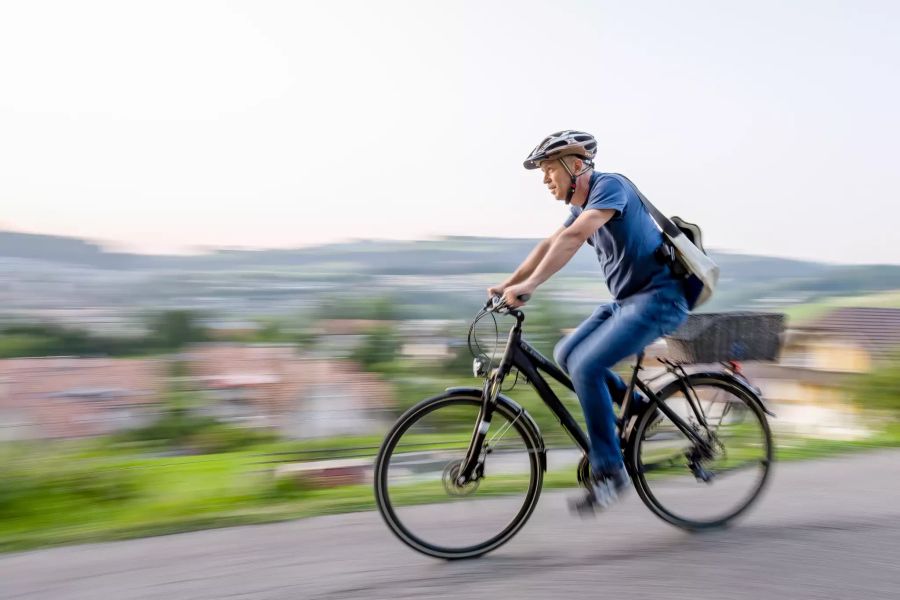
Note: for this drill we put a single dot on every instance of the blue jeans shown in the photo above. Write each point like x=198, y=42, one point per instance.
x=613, y=332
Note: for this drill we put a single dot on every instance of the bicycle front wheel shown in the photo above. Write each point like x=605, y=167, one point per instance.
x=688, y=486
x=416, y=470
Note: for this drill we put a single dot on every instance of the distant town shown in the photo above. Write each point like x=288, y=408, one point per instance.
x=332, y=340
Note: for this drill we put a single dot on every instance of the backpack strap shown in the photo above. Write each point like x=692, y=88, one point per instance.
x=662, y=221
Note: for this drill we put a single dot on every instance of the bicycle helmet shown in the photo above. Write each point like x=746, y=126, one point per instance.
x=565, y=143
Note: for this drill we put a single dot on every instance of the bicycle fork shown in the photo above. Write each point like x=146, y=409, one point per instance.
x=473, y=466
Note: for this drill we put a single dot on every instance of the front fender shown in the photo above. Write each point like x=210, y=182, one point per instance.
x=516, y=409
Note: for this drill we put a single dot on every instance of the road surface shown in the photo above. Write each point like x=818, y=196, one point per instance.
x=824, y=529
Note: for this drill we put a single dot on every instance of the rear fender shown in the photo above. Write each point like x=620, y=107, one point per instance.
x=737, y=379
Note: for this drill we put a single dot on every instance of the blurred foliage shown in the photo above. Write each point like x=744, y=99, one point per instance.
x=274, y=330
x=377, y=308
x=545, y=321
x=57, y=483
x=880, y=389
x=173, y=329
x=380, y=347
x=168, y=330
x=53, y=340
x=179, y=427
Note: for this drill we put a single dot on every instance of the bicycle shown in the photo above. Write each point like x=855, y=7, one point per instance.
x=448, y=447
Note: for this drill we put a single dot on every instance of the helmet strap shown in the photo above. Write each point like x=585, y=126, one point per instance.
x=573, y=177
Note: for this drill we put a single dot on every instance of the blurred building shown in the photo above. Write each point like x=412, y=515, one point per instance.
x=66, y=397
x=274, y=386
x=819, y=362
x=269, y=386
x=852, y=339
x=429, y=340
x=338, y=338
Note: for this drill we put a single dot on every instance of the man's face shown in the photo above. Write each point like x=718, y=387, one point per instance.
x=555, y=177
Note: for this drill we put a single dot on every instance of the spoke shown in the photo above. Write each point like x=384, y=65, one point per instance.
x=673, y=461
x=503, y=430
x=666, y=436
x=408, y=455
x=725, y=410
x=464, y=442
x=507, y=448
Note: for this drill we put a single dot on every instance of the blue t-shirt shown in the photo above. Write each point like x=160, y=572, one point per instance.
x=625, y=246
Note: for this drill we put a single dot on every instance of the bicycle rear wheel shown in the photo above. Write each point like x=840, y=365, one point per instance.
x=678, y=481
x=416, y=469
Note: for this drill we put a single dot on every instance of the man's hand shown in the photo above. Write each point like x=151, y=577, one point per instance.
x=510, y=293
x=496, y=290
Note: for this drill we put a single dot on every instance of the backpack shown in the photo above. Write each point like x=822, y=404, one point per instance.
x=683, y=250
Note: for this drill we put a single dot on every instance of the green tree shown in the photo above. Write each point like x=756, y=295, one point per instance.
x=380, y=347
x=172, y=329
x=54, y=340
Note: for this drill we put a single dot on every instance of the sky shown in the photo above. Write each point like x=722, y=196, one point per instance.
x=183, y=126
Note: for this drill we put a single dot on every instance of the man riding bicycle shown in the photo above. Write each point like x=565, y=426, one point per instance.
x=649, y=301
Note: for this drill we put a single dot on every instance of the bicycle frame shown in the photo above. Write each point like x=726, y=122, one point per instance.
x=523, y=356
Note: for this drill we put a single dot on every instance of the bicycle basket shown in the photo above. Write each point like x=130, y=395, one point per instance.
x=717, y=337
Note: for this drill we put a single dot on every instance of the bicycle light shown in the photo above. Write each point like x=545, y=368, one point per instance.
x=480, y=366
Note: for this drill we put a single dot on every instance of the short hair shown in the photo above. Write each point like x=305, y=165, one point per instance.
x=585, y=161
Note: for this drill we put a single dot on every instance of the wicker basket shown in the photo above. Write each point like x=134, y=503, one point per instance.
x=716, y=337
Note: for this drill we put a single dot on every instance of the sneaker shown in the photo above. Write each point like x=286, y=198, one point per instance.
x=604, y=491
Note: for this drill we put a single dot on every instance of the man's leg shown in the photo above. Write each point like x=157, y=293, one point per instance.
x=565, y=346
x=631, y=326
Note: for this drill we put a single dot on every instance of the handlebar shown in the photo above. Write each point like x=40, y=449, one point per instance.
x=496, y=302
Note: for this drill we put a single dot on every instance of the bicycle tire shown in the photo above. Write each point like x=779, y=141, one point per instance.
x=382, y=471
x=652, y=415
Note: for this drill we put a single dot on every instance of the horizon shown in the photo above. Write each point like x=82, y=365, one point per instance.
x=110, y=248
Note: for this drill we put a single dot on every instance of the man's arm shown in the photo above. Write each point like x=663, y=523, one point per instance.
x=567, y=243
x=534, y=259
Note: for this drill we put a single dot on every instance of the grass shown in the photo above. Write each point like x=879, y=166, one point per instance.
x=96, y=495
x=801, y=313
x=85, y=499
x=810, y=448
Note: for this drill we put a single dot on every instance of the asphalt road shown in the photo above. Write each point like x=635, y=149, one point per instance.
x=824, y=529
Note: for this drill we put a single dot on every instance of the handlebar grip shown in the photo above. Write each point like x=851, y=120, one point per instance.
x=523, y=297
